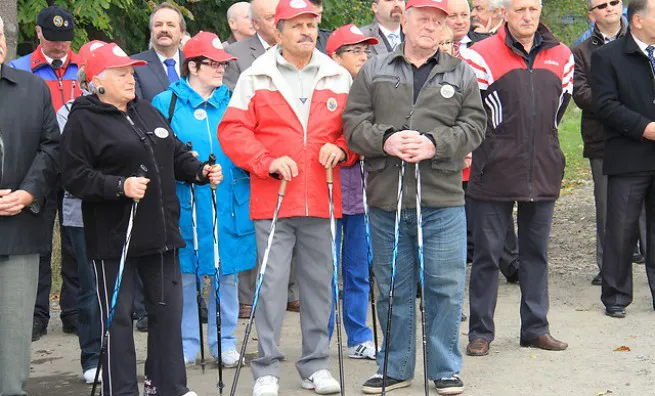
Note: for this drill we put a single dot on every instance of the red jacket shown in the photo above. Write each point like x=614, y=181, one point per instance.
x=261, y=125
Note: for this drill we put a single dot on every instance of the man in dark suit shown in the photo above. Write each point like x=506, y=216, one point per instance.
x=246, y=51
x=622, y=74
x=167, y=26
x=386, y=25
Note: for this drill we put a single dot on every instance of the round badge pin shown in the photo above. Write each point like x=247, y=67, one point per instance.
x=161, y=133
x=447, y=91
x=332, y=104
x=200, y=114
x=58, y=21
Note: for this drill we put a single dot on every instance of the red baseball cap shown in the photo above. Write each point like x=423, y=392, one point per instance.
x=438, y=4
x=208, y=45
x=346, y=35
x=88, y=48
x=108, y=56
x=288, y=9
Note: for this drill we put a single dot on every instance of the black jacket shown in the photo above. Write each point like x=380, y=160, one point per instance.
x=623, y=91
x=100, y=148
x=593, y=132
x=29, y=151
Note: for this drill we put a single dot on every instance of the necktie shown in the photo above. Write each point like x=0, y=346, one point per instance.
x=650, y=49
x=170, y=70
x=393, y=40
x=456, y=45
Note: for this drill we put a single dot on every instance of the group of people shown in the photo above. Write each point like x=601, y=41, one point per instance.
x=165, y=168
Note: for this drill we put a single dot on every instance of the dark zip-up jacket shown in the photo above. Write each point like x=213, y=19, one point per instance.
x=525, y=96
x=593, y=131
x=29, y=154
x=101, y=147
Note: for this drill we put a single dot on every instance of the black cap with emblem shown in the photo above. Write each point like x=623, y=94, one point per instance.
x=56, y=24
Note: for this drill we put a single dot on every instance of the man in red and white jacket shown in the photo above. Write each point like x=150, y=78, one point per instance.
x=526, y=79
x=284, y=121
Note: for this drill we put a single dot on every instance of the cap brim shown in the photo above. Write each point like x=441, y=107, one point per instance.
x=130, y=62
x=58, y=35
x=441, y=8
x=221, y=56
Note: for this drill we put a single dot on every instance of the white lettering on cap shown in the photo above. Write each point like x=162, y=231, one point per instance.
x=118, y=51
x=298, y=4
x=217, y=43
x=356, y=30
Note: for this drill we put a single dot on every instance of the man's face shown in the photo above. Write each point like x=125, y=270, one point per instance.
x=3, y=46
x=264, y=18
x=644, y=25
x=319, y=10
x=242, y=24
x=522, y=17
x=388, y=11
x=459, y=18
x=53, y=49
x=604, y=13
x=423, y=26
x=166, y=31
x=352, y=57
x=298, y=35
x=480, y=14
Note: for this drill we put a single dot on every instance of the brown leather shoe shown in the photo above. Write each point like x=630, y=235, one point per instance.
x=293, y=306
x=477, y=347
x=244, y=311
x=546, y=342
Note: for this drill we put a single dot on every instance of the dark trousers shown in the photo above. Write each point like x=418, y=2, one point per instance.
x=69, y=281
x=165, y=373
x=88, y=321
x=492, y=220
x=626, y=195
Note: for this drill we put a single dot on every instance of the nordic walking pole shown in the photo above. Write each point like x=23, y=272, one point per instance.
x=141, y=172
x=421, y=262
x=217, y=274
x=260, y=281
x=394, y=257
x=196, y=257
x=369, y=255
x=335, y=277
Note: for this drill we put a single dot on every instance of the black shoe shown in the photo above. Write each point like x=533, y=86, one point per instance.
x=69, y=324
x=203, y=314
x=373, y=386
x=638, y=258
x=39, y=329
x=598, y=280
x=615, y=312
x=449, y=386
x=513, y=278
x=142, y=324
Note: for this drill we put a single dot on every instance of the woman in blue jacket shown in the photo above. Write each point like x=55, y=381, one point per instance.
x=195, y=105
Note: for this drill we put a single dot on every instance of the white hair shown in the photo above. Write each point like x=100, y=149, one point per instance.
x=2, y=25
x=232, y=11
x=506, y=3
x=496, y=4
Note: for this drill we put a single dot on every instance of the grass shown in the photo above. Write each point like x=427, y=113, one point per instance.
x=577, y=171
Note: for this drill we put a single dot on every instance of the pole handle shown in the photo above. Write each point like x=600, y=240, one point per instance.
x=283, y=188
x=189, y=146
x=141, y=171
x=211, y=162
x=328, y=174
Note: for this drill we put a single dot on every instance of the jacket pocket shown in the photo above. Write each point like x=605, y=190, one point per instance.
x=241, y=203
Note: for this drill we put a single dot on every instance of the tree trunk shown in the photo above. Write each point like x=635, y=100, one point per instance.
x=8, y=11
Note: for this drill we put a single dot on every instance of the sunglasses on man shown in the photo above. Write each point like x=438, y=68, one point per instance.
x=602, y=6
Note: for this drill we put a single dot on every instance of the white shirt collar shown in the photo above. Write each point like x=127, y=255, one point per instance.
x=607, y=38
x=176, y=57
x=387, y=32
x=49, y=59
x=465, y=40
x=641, y=44
x=264, y=43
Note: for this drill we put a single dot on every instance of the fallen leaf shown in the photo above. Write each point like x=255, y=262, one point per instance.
x=606, y=393
x=622, y=348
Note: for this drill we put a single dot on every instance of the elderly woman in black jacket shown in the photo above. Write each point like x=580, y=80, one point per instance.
x=109, y=135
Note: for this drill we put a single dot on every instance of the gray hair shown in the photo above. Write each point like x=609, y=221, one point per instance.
x=2, y=25
x=637, y=7
x=169, y=6
x=496, y=4
x=231, y=12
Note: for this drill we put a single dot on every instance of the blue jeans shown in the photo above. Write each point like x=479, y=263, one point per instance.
x=229, y=316
x=444, y=241
x=356, y=287
x=88, y=317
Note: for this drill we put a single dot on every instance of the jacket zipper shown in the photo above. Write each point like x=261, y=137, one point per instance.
x=161, y=193
x=532, y=142
x=304, y=144
x=2, y=158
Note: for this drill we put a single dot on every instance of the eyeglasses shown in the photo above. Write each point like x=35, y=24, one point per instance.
x=356, y=51
x=602, y=6
x=214, y=64
x=445, y=43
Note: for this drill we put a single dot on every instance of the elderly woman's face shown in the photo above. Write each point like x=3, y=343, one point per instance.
x=209, y=73
x=119, y=84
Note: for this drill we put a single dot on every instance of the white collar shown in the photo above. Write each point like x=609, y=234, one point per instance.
x=387, y=32
x=49, y=59
x=465, y=40
x=607, y=38
x=264, y=43
x=176, y=57
x=641, y=44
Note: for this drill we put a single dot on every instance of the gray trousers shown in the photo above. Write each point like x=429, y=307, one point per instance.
x=308, y=239
x=19, y=277
x=248, y=280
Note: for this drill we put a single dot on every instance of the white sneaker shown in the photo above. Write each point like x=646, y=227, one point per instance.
x=90, y=375
x=230, y=358
x=190, y=394
x=365, y=350
x=322, y=382
x=266, y=386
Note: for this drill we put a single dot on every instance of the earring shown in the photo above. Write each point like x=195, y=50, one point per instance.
x=101, y=91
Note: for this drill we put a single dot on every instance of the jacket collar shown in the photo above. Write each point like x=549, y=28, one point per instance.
x=597, y=35
x=184, y=92
x=548, y=40
x=630, y=45
x=8, y=73
x=38, y=60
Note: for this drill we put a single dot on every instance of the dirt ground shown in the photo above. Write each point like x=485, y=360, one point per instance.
x=590, y=366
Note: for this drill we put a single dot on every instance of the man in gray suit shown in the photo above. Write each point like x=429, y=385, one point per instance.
x=246, y=51
x=167, y=26
x=386, y=26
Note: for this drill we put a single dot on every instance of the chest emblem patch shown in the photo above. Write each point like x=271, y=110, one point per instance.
x=447, y=91
x=200, y=114
x=161, y=133
x=332, y=104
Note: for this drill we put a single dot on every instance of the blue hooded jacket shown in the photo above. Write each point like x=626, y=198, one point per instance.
x=196, y=120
